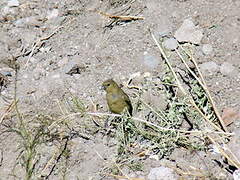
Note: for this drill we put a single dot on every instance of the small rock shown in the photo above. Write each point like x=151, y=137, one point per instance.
x=73, y=67
x=31, y=90
x=188, y=32
x=53, y=14
x=20, y=22
x=227, y=68
x=210, y=66
x=150, y=61
x=38, y=73
x=207, y=49
x=7, y=11
x=236, y=174
x=7, y=73
x=13, y=3
x=170, y=43
x=162, y=173
x=147, y=74
x=135, y=75
x=45, y=49
x=154, y=157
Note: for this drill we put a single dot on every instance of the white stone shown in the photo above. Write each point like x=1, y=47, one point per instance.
x=210, y=66
x=207, y=49
x=150, y=61
x=53, y=14
x=227, y=68
x=13, y=3
x=236, y=174
x=170, y=43
x=162, y=173
x=188, y=32
x=147, y=74
x=135, y=75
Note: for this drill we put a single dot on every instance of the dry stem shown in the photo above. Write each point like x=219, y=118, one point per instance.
x=123, y=18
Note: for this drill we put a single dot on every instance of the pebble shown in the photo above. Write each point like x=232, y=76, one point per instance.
x=73, y=67
x=38, y=72
x=150, y=61
x=13, y=3
x=227, y=69
x=170, y=43
x=69, y=66
x=162, y=173
x=45, y=49
x=7, y=10
x=147, y=74
x=135, y=75
x=188, y=32
x=7, y=73
x=210, y=66
x=236, y=174
x=207, y=49
x=53, y=14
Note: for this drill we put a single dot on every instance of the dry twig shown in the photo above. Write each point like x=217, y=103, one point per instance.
x=180, y=85
x=39, y=43
x=226, y=153
x=123, y=18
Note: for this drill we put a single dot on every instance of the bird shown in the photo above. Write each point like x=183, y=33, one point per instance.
x=117, y=99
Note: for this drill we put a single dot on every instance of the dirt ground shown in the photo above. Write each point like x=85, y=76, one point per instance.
x=69, y=47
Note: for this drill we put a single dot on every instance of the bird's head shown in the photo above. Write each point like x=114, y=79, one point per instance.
x=109, y=85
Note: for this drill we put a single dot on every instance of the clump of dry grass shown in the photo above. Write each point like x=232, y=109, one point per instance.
x=43, y=135
x=162, y=130
x=35, y=133
x=199, y=98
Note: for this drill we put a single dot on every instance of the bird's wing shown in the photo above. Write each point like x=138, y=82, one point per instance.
x=127, y=100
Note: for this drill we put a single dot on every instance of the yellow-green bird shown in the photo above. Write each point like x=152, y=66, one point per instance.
x=117, y=99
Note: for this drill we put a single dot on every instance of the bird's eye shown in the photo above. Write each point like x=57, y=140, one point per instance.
x=108, y=84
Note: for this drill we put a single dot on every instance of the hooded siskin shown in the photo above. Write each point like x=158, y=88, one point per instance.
x=117, y=99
